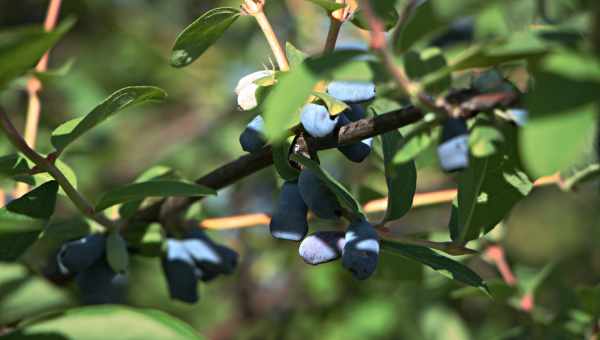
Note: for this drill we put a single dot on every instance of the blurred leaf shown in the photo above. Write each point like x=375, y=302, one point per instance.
x=530, y=279
x=589, y=298
x=195, y=39
x=23, y=47
x=13, y=165
x=24, y=295
x=570, y=179
x=293, y=89
x=498, y=289
x=334, y=106
x=444, y=265
x=487, y=190
x=157, y=188
x=388, y=15
x=327, y=5
x=281, y=160
x=484, y=139
x=126, y=97
x=44, y=177
x=90, y=323
x=343, y=195
x=401, y=178
x=17, y=233
x=116, y=252
x=420, y=64
x=294, y=55
x=145, y=239
x=56, y=72
x=38, y=203
x=441, y=323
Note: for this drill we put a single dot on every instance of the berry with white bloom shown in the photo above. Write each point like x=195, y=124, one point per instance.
x=322, y=247
x=351, y=91
x=361, y=251
x=453, y=149
x=252, y=138
x=316, y=120
x=356, y=152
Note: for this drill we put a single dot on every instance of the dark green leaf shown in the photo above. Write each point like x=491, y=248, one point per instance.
x=17, y=233
x=294, y=55
x=13, y=165
x=157, y=188
x=343, y=195
x=127, y=210
x=281, y=160
x=417, y=140
x=389, y=18
x=22, y=48
x=589, y=298
x=327, y=5
x=293, y=89
x=124, y=98
x=420, y=64
x=116, y=252
x=401, y=177
x=488, y=189
x=91, y=323
x=38, y=203
x=195, y=39
x=444, y=265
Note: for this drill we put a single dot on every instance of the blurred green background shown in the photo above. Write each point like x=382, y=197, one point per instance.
x=273, y=294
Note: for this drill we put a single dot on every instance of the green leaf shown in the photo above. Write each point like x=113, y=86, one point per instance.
x=420, y=64
x=38, y=203
x=157, y=188
x=342, y=194
x=488, y=189
x=44, y=177
x=13, y=165
x=91, y=322
x=294, y=55
x=389, y=17
x=417, y=140
x=124, y=98
x=334, y=106
x=444, y=265
x=116, y=252
x=401, y=177
x=589, y=298
x=127, y=210
x=25, y=295
x=281, y=157
x=17, y=233
x=484, y=139
x=572, y=178
x=146, y=239
x=23, y=47
x=327, y=5
x=292, y=90
x=195, y=39
x=58, y=72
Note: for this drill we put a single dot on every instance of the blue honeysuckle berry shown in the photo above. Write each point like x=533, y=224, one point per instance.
x=317, y=196
x=519, y=116
x=453, y=149
x=316, y=120
x=361, y=251
x=252, y=138
x=289, y=219
x=246, y=89
x=76, y=256
x=322, y=247
x=351, y=91
x=180, y=272
x=99, y=284
x=208, y=255
x=356, y=152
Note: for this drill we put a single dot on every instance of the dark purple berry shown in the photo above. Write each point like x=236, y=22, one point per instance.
x=361, y=251
x=322, y=247
x=317, y=195
x=289, y=219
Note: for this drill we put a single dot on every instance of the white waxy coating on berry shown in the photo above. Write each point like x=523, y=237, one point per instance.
x=316, y=120
x=201, y=251
x=176, y=251
x=519, y=116
x=246, y=89
x=368, y=142
x=351, y=91
x=368, y=245
x=251, y=78
x=454, y=153
x=257, y=124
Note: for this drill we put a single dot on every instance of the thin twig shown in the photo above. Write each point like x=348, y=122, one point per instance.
x=34, y=86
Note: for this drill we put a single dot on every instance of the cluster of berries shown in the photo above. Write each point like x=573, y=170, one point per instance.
x=185, y=261
x=358, y=246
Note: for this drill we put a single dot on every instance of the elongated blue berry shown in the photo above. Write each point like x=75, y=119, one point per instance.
x=322, y=247
x=99, y=284
x=252, y=138
x=180, y=272
x=453, y=149
x=316, y=120
x=78, y=255
x=317, y=195
x=361, y=251
x=356, y=152
x=208, y=255
x=351, y=91
x=289, y=219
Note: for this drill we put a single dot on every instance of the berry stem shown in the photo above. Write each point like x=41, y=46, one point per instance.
x=255, y=8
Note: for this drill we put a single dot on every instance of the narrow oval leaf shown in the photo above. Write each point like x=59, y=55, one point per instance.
x=343, y=195
x=294, y=55
x=17, y=233
x=38, y=203
x=328, y=5
x=124, y=98
x=389, y=16
x=281, y=160
x=116, y=252
x=401, y=177
x=334, y=106
x=22, y=48
x=195, y=39
x=157, y=188
x=444, y=265
x=91, y=322
x=13, y=165
x=423, y=63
